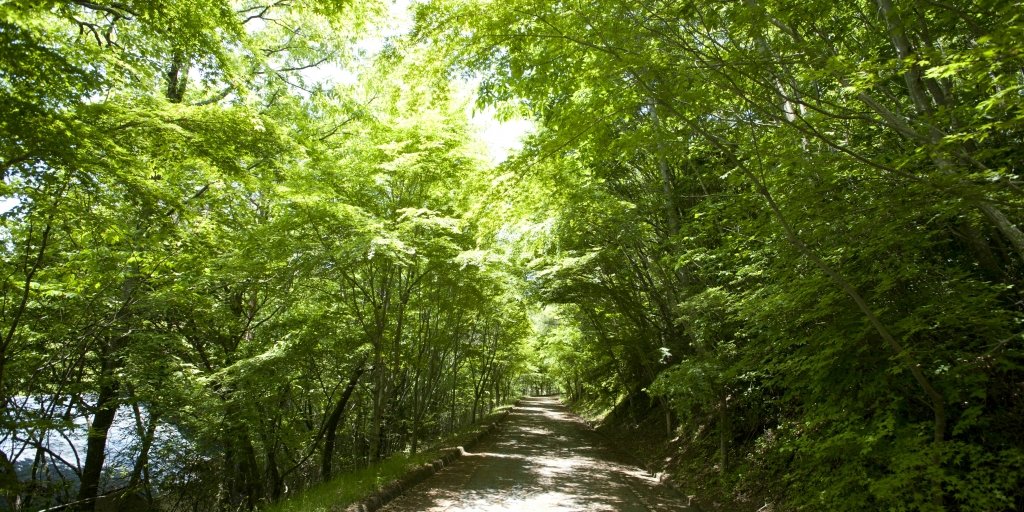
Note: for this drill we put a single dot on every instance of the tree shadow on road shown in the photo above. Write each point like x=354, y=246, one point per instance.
x=544, y=459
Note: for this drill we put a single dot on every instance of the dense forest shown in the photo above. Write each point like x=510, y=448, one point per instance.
x=262, y=280
x=248, y=245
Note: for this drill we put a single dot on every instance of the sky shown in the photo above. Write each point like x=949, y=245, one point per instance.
x=499, y=138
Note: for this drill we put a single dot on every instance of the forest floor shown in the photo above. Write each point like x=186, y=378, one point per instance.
x=686, y=461
x=543, y=459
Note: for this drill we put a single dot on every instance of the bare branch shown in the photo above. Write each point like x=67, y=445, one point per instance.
x=115, y=9
x=263, y=10
x=306, y=66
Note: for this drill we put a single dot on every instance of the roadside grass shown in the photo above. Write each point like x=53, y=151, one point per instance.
x=348, y=488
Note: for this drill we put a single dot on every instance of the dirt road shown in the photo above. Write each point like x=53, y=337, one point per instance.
x=543, y=459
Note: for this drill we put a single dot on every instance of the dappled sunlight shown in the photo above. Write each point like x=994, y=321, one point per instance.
x=537, y=431
x=544, y=460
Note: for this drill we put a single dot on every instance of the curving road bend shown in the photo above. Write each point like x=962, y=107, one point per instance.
x=543, y=459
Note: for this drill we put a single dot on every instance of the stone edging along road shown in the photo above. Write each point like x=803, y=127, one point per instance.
x=396, y=487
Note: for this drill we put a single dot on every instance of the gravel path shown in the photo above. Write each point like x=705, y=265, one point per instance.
x=543, y=459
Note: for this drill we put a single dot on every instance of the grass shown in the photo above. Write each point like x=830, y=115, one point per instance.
x=348, y=488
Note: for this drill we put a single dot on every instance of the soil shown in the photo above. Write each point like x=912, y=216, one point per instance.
x=543, y=459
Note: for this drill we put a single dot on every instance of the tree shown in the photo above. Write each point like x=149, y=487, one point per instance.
x=817, y=221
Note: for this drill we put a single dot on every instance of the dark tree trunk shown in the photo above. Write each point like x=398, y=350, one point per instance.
x=331, y=429
x=243, y=477
x=177, y=77
x=96, y=445
x=274, y=474
x=9, y=483
x=249, y=469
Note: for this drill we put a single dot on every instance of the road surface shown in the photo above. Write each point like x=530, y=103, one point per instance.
x=542, y=459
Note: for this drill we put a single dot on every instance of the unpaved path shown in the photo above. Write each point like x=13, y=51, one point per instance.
x=542, y=459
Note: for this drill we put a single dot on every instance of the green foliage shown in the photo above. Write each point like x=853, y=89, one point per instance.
x=796, y=224
x=262, y=272
x=793, y=226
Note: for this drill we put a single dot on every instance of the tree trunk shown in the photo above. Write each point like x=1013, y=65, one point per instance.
x=331, y=429
x=378, y=404
x=243, y=477
x=724, y=432
x=96, y=445
x=667, y=179
x=250, y=471
x=140, y=474
x=274, y=473
x=177, y=78
x=23, y=300
x=8, y=480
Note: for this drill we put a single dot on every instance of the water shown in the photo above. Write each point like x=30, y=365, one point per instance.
x=63, y=442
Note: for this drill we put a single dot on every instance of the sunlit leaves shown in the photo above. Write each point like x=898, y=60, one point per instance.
x=812, y=154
